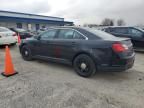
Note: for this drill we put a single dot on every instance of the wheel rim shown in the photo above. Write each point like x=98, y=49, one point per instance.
x=25, y=53
x=83, y=66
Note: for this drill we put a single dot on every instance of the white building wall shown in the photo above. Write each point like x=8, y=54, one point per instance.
x=8, y=24
x=25, y=25
x=2, y=24
x=11, y=25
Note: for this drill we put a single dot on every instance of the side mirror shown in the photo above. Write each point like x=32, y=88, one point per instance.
x=37, y=37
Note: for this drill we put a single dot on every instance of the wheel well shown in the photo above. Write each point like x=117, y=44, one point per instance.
x=21, y=47
x=80, y=54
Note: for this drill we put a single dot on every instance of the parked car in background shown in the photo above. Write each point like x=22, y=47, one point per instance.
x=23, y=33
x=86, y=49
x=7, y=36
x=40, y=31
x=136, y=34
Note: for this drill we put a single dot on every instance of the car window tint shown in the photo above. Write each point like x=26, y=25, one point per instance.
x=107, y=30
x=78, y=36
x=111, y=29
x=102, y=34
x=50, y=34
x=120, y=30
x=66, y=34
x=135, y=33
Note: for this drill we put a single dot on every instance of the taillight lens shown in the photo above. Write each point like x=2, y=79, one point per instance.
x=14, y=34
x=118, y=47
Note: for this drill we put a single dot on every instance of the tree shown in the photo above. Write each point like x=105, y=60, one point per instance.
x=107, y=22
x=120, y=22
x=111, y=23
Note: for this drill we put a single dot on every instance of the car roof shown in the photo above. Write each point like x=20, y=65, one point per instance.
x=86, y=32
x=63, y=27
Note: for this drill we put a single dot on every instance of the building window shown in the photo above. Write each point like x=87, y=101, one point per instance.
x=19, y=25
x=37, y=26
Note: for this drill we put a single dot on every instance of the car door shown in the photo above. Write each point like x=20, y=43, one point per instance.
x=66, y=44
x=44, y=44
x=137, y=37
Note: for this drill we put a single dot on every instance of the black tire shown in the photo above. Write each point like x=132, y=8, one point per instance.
x=84, y=65
x=26, y=53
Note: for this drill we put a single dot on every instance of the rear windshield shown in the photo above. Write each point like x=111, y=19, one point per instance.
x=2, y=29
x=140, y=29
x=101, y=34
x=20, y=30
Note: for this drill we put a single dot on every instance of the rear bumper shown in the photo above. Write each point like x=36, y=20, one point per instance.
x=7, y=41
x=129, y=62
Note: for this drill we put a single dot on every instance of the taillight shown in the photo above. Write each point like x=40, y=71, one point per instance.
x=118, y=47
x=14, y=34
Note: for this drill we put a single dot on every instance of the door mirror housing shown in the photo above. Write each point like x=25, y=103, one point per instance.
x=37, y=37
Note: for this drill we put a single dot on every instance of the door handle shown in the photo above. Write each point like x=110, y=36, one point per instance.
x=73, y=43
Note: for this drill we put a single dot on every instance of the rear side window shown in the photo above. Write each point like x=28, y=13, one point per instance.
x=107, y=30
x=78, y=36
x=50, y=34
x=66, y=34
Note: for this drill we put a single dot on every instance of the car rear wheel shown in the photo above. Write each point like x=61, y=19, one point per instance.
x=26, y=53
x=84, y=65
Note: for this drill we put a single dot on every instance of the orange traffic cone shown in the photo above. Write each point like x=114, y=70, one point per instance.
x=9, y=68
x=19, y=39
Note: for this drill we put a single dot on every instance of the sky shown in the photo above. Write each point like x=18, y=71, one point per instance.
x=81, y=11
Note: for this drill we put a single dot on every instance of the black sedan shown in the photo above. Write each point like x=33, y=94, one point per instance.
x=23, y=33
x=85, y=49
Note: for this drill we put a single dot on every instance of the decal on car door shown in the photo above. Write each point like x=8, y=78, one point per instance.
x=57, y=52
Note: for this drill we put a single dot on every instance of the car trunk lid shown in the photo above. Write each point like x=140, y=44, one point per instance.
x=127, y=46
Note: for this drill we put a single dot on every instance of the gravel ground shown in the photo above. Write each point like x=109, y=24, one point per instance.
x=42, y=84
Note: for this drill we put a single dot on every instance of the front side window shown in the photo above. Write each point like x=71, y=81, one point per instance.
x=135, y=33
x=66, y=34
x=50, y=34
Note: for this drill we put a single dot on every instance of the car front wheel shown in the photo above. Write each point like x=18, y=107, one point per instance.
x=84, y=65
x=26, y=53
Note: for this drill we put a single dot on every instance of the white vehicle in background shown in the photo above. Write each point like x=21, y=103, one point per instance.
x=7, y=37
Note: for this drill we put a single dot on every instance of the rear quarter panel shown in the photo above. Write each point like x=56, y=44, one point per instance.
x=99, y=50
